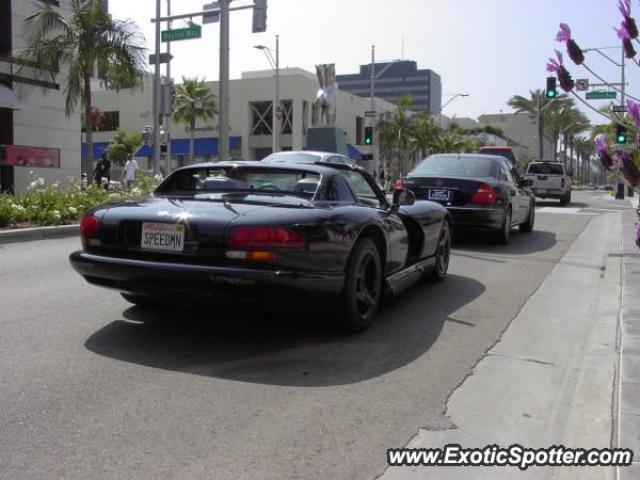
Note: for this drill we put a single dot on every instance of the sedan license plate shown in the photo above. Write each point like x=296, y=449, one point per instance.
x=541, y=190
x=439, y=195
x=162, y=236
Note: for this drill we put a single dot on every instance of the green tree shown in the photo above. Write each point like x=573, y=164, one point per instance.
x=424, y=134
x=401, y=129
x=88, y=38
x=450, y=142
x=123, y=145
x=194, y=101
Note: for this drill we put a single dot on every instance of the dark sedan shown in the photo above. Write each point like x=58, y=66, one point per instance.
x=270, y=232
x=480, y=191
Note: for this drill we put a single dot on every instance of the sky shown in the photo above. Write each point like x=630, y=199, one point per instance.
x=489, y=49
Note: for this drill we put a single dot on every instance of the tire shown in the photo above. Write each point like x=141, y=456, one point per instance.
x=566, y=199
x=362, y=291
x=527, y=227
x=142, y=300
x=504, y=234
x=443, y=254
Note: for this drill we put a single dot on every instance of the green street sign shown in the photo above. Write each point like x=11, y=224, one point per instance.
x=601, y=95
x=182, y=33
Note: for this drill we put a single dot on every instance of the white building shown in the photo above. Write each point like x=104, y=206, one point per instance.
x=250, y=103
x=34, y=129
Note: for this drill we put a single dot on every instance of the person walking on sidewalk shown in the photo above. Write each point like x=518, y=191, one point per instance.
x=103, y=170
x=130, y=169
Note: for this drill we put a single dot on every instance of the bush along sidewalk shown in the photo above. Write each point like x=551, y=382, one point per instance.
x=45, y=204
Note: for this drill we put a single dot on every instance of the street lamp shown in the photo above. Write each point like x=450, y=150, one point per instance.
x=275, y=64
x=453, y=97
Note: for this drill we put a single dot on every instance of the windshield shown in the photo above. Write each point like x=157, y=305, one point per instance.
x=257, y=181
x=452, y=166
x=545, y=169
x=292, y=158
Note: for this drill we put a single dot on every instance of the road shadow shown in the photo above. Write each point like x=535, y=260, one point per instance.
x=284, y=347
x=520, y=243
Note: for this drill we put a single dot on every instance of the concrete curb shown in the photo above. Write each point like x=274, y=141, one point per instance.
x=38, y=233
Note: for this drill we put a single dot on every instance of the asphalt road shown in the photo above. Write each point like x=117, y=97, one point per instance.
x=91, y=387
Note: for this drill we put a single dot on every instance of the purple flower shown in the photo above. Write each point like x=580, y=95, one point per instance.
x=629, y=169
x=629, y=23
x=574, y=51
x=623, y=35
x=634, y=112
x=564, y=77
x=603, y=152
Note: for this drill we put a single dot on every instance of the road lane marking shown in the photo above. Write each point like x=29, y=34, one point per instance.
x=565, y=210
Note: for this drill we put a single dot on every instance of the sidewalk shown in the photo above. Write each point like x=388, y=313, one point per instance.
x=629, y=387
x=550, y=379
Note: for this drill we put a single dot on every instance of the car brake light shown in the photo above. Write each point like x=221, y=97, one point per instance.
x=265, y=237
x=399, y=185
x=89, y=226
x=484, y=194
x=562, y=183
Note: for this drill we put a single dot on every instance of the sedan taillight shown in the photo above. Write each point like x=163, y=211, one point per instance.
x=89, y=226
x=484, y=194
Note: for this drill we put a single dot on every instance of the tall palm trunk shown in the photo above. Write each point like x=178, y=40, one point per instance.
x=191, y=141
x=87, y=163
x=540, y=138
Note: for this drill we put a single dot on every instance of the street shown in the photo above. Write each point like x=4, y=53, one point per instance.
x=92, y=387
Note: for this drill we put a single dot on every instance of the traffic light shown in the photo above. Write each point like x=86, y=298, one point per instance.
x=552, y=89
x=259, y=16
x=368, y=135
x=621, y=134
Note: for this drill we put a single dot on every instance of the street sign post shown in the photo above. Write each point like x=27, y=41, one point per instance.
x=164, y=58
x=619, y=109
x=213, y=17
x=601, y=95
x=582, y=84
x=189, y=33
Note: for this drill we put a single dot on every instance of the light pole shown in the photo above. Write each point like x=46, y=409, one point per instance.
x=156, y=97
x=169, y=100
x=453, y=97
x=223, y=108
x=276, y=129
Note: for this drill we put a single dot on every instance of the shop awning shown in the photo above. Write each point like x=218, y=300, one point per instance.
x=98, y=149
x=9, y=99
x=353, y=152
x=201, y=147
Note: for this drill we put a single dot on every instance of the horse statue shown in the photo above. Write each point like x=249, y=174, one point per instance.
x=325, y=105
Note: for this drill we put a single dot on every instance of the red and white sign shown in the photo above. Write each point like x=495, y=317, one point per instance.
x=18, y=156
x=279, y=112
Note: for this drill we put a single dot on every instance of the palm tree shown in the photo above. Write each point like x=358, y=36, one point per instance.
x=194, y=101
x=584, y=149
x=385, y=138
x=88, y=38
x=401, y=128
x=450, y=142
x=565, y=118
x=424, y=134
x=537, y=106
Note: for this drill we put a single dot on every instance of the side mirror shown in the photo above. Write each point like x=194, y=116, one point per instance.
x=402, y=197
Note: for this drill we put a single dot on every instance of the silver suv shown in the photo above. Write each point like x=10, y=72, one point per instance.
x=550, y=180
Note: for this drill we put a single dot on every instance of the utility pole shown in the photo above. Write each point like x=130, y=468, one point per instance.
x=169, y=99
x=276, y=122
x=156, y=97
x=223, y=114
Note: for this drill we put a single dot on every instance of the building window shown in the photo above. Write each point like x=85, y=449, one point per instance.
x=261, y=118
x=109, y=121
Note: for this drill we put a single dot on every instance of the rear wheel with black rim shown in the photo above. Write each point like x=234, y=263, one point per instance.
x=363, y=287
x=504, y=234
x=443, y=254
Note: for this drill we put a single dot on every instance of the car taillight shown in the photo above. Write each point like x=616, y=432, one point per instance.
x=562, y=183
x=89, y=226
x=484, y=194
x=399, y=185
x=265, y=237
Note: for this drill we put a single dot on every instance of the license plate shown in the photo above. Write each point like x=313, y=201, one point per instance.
x=541, y=190
x=439, y=195
x=162, y=236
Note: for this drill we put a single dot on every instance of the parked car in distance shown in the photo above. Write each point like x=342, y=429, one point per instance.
x=550, y=180
x=267, y=232
x=480, y=191
x=506, y=152
x=308, y=156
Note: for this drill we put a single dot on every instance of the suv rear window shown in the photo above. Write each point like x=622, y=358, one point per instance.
x=502, y=152
x=545, y=169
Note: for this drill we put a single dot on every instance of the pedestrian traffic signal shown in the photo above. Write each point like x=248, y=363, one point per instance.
x=368, y=135
x=621, y=134
x=552, y=89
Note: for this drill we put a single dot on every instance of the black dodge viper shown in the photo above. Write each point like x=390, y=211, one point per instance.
x=240, y=231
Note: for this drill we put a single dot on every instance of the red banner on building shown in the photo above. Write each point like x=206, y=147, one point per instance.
x=18, y=156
